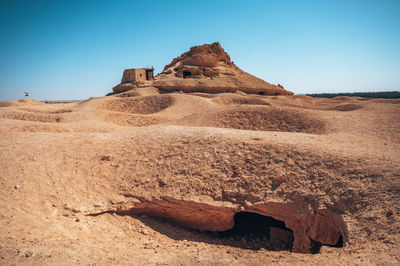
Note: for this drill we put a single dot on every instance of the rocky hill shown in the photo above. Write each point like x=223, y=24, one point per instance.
x=207, y=68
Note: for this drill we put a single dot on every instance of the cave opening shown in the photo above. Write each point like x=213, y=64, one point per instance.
x=252, y=229
x=186, y=74
x=256, y=231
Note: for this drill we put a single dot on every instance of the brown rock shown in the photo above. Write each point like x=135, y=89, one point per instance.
x=208, y=68
x=305, y=227
x=124, y=87
x=106, y=158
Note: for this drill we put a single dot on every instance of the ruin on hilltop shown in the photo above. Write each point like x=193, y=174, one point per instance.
x=137, y=75
x=204, y=68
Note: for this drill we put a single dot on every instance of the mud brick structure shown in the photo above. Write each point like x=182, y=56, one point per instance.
x=137, y=75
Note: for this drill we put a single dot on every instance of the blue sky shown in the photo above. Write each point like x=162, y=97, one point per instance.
x=59, y=49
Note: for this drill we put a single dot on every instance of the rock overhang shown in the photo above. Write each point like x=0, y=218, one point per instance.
x=308, y=229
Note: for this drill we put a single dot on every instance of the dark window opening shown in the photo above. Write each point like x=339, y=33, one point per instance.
x=140, y=75
x=186, y=74
x=261, y=93
x=149, y=74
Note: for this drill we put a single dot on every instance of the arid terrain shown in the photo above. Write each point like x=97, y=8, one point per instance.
x=201, y=164
x=143, y=178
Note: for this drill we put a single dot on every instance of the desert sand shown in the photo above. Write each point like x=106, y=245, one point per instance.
x=143, y=178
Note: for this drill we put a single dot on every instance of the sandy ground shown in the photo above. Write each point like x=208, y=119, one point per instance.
x=65, y=168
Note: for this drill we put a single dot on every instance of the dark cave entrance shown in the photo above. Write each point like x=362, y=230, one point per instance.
x=256, y=231
x=250, y=230
x=316, y=246
x=186, y=74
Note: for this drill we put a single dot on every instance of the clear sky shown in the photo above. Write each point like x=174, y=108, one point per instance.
x=59, y=49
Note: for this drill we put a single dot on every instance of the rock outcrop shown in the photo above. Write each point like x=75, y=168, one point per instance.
x=309, y=229
x=207, y=68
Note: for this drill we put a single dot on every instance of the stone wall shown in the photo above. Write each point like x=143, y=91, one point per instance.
x=133, y=75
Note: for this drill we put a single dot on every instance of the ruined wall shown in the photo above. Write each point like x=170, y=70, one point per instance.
x=133, y=75
x=140, y=74
x=128, y=76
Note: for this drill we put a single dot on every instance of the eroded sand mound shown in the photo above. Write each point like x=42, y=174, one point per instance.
x=241, y=100
x=36, y=116
x=131, y=120
x=143, y=105
x=19, y=103
x=262, y=119
x=200, y=178
x=347, y=107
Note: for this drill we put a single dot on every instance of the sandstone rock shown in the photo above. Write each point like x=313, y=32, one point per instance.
x=123, y=87
x=208, y=68
x=305, y=227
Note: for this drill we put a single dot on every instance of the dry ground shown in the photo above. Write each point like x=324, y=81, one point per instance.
x=63, y=165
